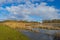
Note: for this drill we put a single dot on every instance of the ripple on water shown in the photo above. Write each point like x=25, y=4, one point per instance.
x=42, y=35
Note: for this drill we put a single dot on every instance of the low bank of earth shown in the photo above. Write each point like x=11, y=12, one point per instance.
x=7, y=33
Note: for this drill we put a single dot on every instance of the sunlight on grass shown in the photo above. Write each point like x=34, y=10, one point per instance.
x=7, y=33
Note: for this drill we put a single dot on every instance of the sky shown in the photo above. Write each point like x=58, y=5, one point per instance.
x=30, y=10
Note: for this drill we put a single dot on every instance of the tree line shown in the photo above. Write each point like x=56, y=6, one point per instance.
x=51, y=21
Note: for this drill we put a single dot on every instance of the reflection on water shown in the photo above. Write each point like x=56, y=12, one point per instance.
x=41, y=35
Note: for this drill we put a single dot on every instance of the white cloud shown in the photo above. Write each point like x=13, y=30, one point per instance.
x=47, y=12
x=19, y=1
x=26, y=11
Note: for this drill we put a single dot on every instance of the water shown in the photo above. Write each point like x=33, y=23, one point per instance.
x=43, y=34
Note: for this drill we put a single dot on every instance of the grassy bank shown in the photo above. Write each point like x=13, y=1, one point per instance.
x=7, y=33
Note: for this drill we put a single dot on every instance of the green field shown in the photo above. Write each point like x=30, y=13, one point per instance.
x=7, y=33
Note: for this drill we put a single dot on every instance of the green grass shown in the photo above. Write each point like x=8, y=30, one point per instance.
x=7, y=33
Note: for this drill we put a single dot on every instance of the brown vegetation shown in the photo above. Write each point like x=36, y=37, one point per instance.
x=57, y=36
x=21, y=24
x=29, y=25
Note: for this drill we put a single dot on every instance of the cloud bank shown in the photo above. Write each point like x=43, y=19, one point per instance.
x=30, y=11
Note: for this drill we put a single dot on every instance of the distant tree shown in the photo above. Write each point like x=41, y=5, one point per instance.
x=51, y=21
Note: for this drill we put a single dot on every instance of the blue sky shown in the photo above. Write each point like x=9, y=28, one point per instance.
x=31, y=10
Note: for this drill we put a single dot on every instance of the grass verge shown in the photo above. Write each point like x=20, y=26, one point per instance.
x=7, y=33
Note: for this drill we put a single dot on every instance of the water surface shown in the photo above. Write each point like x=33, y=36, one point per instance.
x=43, y=34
